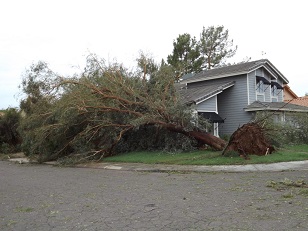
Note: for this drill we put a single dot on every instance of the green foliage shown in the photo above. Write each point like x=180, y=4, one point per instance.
x=153, y=138
x=38, y=84
x=146, y=66
x=293, y=131
x=215, y=46
x=298, y=122
x=91, y=114
x=186, y=56
x=10, y=138
x=50, y=133
x=192, y=56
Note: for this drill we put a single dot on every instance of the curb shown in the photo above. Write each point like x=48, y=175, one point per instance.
x=274, y=167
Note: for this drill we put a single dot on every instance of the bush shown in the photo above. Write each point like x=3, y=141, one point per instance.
x=152, y=138
x=294, y=130
x=298, y=128
x=10, y=138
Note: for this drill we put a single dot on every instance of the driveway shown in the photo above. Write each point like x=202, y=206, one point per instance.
x=42, y=197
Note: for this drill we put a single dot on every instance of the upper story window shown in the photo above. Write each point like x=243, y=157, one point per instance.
x=260, y=86
x=274, y=91
x=276, y=88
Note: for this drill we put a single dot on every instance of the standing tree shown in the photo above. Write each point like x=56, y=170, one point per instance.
x=192, y=56
x=146, y=66
x=215, y=46
x=185, y=57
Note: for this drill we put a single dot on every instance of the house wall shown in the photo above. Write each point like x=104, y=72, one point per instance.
x=251, y=80
x=231, y=103
x=288, y=94
x=209, y=105
x=260, y=98
x=267, y=91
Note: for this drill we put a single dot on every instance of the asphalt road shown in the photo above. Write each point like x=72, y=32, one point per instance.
x=41, y=197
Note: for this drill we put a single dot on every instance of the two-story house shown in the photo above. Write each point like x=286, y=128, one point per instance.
x=230, y=96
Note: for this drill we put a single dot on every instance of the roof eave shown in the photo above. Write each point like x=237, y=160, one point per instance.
x=274, y=109
x=286, y=81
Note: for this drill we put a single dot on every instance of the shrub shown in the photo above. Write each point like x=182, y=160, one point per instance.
x=154, y=138
x=10, y=138
x=294, y=130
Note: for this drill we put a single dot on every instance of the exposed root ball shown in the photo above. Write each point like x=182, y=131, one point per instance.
x=249, y=139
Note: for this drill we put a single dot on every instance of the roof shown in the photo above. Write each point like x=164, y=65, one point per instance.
x=237, y=69
x=303, y=101
x=201, y=93
x=275, y=106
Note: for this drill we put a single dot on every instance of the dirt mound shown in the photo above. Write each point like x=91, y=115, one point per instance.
x=249, y=139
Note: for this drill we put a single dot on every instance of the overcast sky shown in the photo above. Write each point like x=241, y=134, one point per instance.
x=63, y=32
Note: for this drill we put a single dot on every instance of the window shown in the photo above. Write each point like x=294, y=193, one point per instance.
x=260, y=86
x=274, y=93
x=274, y=90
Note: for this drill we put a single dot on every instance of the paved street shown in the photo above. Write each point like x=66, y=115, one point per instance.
x=42, y=197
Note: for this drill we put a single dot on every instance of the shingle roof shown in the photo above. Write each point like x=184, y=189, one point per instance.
x=197, y=94
x=275, y=106
x=231, y=70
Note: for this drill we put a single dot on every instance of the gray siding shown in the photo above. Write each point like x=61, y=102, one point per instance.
x=231, y=103
x=267, y=87
x=260, y=98
x=252, y=86
x=259, y=72
x=232, y=110
x=208, y=105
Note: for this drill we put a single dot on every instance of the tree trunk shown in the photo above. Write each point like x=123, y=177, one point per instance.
x=202, y=137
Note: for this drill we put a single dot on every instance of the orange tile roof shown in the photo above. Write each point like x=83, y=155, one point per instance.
x=303, y=101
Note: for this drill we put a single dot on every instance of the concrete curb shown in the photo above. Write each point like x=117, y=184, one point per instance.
x=275, y=167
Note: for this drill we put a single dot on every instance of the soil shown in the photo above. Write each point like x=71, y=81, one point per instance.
x=249, y=139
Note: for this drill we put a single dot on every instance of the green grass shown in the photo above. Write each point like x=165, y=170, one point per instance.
x=291, y=153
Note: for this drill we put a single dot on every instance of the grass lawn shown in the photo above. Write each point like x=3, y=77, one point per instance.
x=290, y=153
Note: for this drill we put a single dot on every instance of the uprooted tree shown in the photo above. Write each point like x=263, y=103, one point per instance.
x=91, y=113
